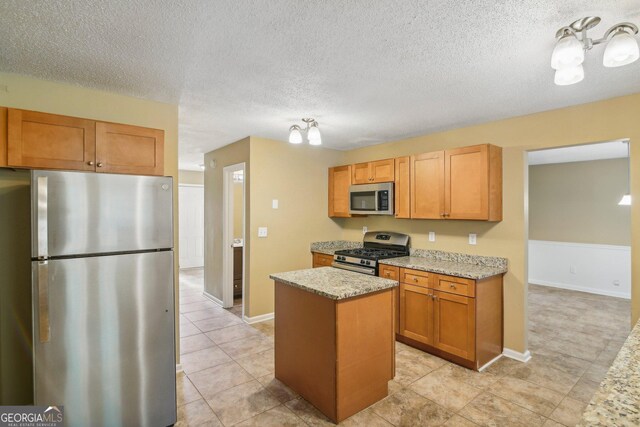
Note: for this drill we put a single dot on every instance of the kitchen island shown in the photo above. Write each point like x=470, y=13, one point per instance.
x=334, y=338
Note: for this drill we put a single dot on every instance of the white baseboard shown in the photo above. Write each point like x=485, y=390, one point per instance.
x=212, y=298
x=489, y=363
x=570, y=287
x=516, y=355
x=179, y=368
x=261, y=318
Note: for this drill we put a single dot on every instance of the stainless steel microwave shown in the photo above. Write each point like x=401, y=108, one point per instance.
x=371, y=199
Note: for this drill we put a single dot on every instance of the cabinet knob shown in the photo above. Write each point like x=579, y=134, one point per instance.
x=415, y=279
x=452, y=286
x=99, y=164
x=388, y=273
x=90, y=163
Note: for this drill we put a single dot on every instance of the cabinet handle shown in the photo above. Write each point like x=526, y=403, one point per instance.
x=388, y=273
x=99, y=164
x=452, y=286
x=415, y=279
x=90, y=163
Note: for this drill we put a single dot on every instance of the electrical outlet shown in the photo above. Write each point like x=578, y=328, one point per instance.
x=364, y=230
x=262, y=231
x=616, y=283
x=274, y=203
x=473, y=238
x=572, y=269
x=432, y=236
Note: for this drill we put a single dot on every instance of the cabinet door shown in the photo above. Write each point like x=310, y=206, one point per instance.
x=383, y=170
x=467, y=183
x=362, y=173
x=402, y=187
x=427, y=185
x=49, y=141
x=322, y=260
x=129, y=149
x=339, y=182
x=454, y=324
x=416, y=313
x=393, y=273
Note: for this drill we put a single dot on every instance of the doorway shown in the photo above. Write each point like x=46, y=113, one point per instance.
x=191, y=226
x=233, y=259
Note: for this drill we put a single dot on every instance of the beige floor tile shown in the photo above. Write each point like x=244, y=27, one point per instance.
x=528, y=395
x=458, y=421
x=440, y=387
x=399, y=406
x=196, y=306
x=219, y=378
x=546, y=374
x=208, y=313
x=222, y=321
x=502, y=366
x=188, y=299
x=259, y=364
x=365, y=418
x=551, y=423
x=596, y=372
x=490, y=410
x=232, y=333
x=310, y=415
x=188, y=329
x=246, y=347
x=195, y=343
x=411, y=367
x=277, y=388
x=468, y=376
x=242, y=402
x=569, y=412
x=394, y=387
x=266, y=327
x=584, y=390
x=185, y=390
x=203, y=359
x=280, y=416
x=195, y=413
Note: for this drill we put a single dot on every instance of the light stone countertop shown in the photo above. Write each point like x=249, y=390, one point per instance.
x=450, y=268
x=334, y=283
x=617, y=401
x=334, y=245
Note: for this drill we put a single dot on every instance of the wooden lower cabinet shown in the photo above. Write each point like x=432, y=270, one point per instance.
x=455, y=318
x=237, y=271
x=321, y=260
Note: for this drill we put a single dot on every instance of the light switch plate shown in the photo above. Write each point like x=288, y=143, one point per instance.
x=473, y=238
x=262, y=231
x=432, y=236
x=274, y=203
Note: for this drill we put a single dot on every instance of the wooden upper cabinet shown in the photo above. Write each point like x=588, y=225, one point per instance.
x=402, y=191
x=427, y=185
x=339, y=183
x=473, y=183
x=41, y=140
x=454, y=326
x=373, y=172
x=129, y=149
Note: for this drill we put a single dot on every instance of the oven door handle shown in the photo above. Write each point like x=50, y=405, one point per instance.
x=366, y=270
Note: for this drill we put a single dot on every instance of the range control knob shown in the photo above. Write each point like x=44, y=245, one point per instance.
x=361, y=261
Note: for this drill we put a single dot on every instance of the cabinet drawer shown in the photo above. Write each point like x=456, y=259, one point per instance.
x=455, y=285
x=414, y=277
x=389, y=272
x=322, y=260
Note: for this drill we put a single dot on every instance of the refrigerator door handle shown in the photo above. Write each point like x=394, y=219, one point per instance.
x=44, y=327
x=42, y=251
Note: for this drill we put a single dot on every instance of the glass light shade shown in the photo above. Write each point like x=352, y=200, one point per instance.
x=626, y=200
x=568, y=52
x=621, y=50
x=314, y=136
x=569, y=76
x=295, y=137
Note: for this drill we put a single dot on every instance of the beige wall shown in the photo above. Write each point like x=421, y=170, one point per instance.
x=32, y=94
x=578, y=202
x=296, y=175
x=190, y=177
x=237, y=209
x=237, y=152
x=607, y=120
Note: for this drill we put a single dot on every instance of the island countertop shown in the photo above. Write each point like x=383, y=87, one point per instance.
x=334, y=283
x=450, y=268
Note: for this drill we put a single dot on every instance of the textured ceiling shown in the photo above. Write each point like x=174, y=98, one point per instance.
x=368, y=71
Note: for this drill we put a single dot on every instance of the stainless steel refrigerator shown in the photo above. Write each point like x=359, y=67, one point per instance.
x=103, y=297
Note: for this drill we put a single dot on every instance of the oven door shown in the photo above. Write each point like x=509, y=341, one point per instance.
x=357, y=268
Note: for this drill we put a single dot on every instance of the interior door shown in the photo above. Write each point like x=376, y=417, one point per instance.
x=191, y=202
x=104, y=338
x=427, y=185
x=416, y=313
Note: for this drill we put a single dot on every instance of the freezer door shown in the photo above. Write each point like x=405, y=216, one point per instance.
x=77, y=213
x=104, y=343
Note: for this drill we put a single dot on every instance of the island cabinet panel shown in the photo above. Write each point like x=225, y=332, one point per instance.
x=322, y=260
x=129, y=149
x=374, y=172
x=427, y=185
x=41, y=140
x=416, y=313
x=3, y=136
x=402, y=187
x=339, y=183
x=393, y=273
x=454, y=324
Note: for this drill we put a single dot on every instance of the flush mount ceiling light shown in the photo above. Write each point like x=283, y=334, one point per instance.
x=568, y=55
x=312, y=131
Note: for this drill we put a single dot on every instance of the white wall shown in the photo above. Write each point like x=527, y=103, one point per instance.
x=191, y=225
x=582, y=267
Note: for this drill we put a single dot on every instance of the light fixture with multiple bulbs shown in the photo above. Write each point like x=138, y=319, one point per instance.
x=312, y=131
x=568, y=55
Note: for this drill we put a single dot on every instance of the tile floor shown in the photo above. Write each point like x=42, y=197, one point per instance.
x=228, y=370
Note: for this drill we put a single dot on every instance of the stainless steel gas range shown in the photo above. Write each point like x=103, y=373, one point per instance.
x=377, y=245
